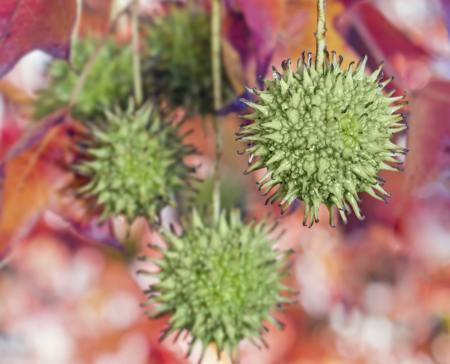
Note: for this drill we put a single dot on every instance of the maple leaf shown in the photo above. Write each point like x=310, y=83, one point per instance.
x=252, y=27
x=429, y=142
x=34, y=177
x=370, y=33
x=27, y=178
x=26, y=25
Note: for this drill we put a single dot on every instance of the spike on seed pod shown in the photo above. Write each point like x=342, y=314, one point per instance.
x=331, y=141
x=133, y=165
x=220, y=282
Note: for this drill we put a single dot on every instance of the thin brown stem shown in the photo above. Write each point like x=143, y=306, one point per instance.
x=320, y=33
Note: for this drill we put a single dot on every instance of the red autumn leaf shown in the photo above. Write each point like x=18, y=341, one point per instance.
x=429, y=142
x=95, y=17
x=252, y=27
x=26, y=25
x=370, y=33
x=349, y=2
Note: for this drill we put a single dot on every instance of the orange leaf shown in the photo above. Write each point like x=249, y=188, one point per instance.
x=31, y=181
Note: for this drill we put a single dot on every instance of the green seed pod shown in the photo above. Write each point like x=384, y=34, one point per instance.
x=177, y=68
x=323, y=135
x=133, y=163
x=109, y=81
x=219, y=282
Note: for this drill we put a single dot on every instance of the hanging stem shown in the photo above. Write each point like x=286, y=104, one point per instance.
x=216, y=19
x=137, y=80
x=77, y=26
x=320, y=34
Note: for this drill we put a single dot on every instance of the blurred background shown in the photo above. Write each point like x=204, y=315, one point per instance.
x=375, y=292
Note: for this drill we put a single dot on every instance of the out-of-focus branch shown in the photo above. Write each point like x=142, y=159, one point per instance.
x=216, y=22
x=90, y=63
x=136, y=57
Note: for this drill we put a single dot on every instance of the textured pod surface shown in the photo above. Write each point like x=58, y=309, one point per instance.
x=220, y=283
x=178, y=67
x=133, y=163
x=323, y=135
x=109, y=81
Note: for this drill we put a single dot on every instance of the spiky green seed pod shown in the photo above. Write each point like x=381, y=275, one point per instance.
x=108, y=82
x=133, y=163
x=177, y=67
x=219, y=282
x=323, y=135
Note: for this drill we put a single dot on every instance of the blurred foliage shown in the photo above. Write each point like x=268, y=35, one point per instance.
x=177, y=68
x=109, y=81
x=232, y=194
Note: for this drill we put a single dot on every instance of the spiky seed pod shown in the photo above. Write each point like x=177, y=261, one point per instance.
x=323, y=135
x=133, y=163
x=109, y=81
x=219, y=282
x=177, y=67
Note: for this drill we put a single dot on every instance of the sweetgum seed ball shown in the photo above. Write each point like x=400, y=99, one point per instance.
x=323, y=135
x=220, y=282
x=133, y=163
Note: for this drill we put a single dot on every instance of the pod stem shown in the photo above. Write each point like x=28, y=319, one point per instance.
x=320, y=33
x=77, y=26
x=137, y=78
x=216, y=22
